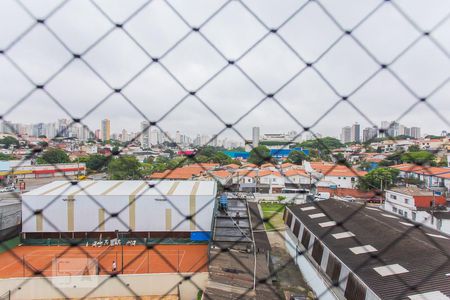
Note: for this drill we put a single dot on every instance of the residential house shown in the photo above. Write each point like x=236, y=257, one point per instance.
x=420, y=206
x=297, y=178
x=269, y=180
x=334, y=176
x=432, y=177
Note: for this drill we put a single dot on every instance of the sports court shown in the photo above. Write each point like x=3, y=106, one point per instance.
x=26, y=261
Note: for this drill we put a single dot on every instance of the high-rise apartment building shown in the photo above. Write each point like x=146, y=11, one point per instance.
x=356, y=133
x=255, y=137
x=155, y=137
x=145, y=137
x=346, y=134
x=106, y=130
x=370, y=133
x=97, y=134
x=415, y=132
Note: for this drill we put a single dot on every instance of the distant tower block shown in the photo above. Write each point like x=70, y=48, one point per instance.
x=255, y=140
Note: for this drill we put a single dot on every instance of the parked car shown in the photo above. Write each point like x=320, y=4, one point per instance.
x=7, y=189
x=348, y=199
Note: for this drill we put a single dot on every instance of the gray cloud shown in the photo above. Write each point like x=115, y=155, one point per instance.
x=270, y=64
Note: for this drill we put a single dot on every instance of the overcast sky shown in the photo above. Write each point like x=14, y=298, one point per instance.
x=270, y=65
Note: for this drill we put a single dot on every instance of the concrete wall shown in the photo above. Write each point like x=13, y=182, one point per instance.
x=310, y=274
x=296, y=198
x=90, y=213
x=103, y=286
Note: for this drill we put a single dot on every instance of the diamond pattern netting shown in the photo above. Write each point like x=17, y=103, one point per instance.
x=227, y=49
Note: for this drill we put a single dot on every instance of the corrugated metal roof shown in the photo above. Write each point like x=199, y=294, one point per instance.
x=425, y=257
x=124, y=188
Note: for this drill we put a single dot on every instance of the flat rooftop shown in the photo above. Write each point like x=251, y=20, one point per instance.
x=411, y=191
x=367, y=239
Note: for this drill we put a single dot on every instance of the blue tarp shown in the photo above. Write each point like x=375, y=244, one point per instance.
x=200, y=236
x=277, y=153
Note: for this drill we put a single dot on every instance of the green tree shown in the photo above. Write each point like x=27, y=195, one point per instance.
x=9, y=141
x=364, y=165
x=124, y=167
x=221, y=158
x=115, y=150
x=443, y=162
x=43, y=144
x=297, y=157
x=208, y=151
x=97, y=162
x=259, y=155
x=5, y=157
x=340, y=160
x=54, y=156
x=322, y=144
x=414, y=148
x=393, y=159
x=146, y=169
x=380, y=178
x=419, y=158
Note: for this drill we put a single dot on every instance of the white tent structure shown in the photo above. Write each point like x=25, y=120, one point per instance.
x=143, y=208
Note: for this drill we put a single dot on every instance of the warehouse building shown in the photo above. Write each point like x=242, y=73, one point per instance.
x=9, y=219
x=364, y=253
x=141, y=209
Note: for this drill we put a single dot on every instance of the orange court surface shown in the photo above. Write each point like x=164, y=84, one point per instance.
x=27, y=261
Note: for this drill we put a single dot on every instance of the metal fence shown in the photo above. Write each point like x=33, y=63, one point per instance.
x=309, y=49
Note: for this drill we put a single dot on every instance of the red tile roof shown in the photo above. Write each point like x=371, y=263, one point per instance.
x=296, y=172
x=232, y=166
x=336, y=170
x=427, y=201
x=184, y=173
x=412, y=168
x=221, y=174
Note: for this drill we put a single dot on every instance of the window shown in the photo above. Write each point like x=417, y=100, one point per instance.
x=333, y=269
x=392, y=196
x=339, y=177
x=394, y=209
x=296, y=228
x=273, y=179
x=289, y=220
x=354, y=289
x=317, y=251
x=353, y=179
x=414, y=216
x=406, y=201
x=305, y=238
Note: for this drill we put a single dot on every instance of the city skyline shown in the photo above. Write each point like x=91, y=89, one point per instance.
x=153, y=135
x=162, y=90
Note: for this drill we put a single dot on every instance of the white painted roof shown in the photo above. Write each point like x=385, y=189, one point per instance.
x=390, y=270
x=363, y=249
x=343, y=235
x=327, y=224
x=125, y=188
x=319, y=215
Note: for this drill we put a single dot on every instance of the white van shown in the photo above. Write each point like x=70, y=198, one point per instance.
x=323, y=196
